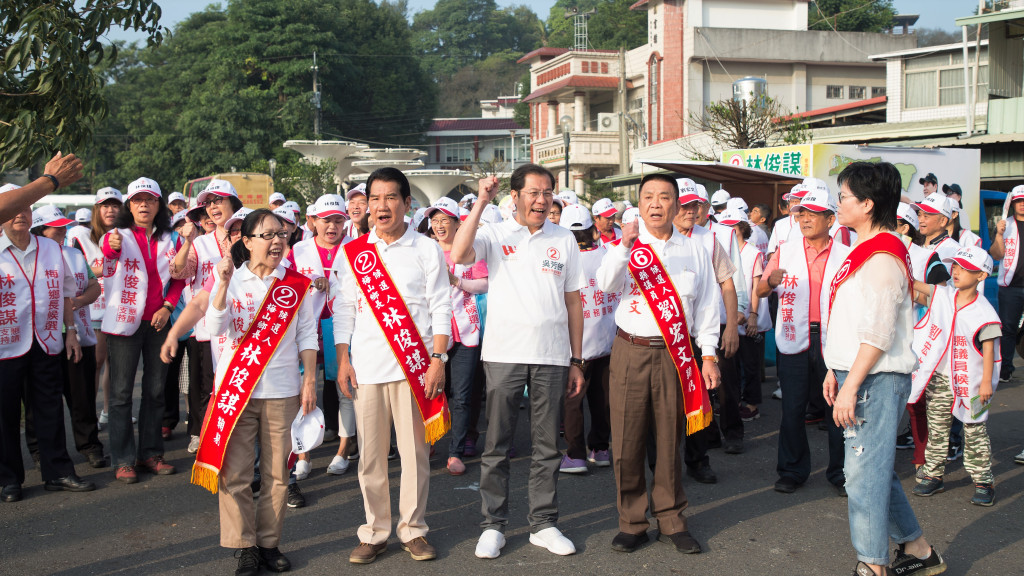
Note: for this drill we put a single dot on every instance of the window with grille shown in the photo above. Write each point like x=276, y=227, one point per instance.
x=834, y=92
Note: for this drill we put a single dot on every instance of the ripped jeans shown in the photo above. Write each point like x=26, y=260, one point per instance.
x=877, y=504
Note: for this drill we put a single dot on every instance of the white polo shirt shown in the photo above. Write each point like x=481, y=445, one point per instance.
x=527, y=321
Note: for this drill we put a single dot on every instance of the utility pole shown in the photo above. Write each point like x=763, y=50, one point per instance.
x=316, y=100
x=623, y=140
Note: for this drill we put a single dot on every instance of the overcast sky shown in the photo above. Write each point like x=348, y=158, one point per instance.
x=934, y=13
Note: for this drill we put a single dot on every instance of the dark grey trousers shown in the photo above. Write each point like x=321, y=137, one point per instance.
x=505, y=385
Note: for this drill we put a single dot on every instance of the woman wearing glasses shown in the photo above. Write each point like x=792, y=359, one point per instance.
x=259, y=389
x=141, y=295
x=194, y=263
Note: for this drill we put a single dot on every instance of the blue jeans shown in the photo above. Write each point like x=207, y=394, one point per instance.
x=877, y=505
x=1011, y=306
x=461, y=369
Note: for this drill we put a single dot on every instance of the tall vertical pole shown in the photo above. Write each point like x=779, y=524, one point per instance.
x=316, y=100
x=623, y=141
x=967, y=87
x=512, y=133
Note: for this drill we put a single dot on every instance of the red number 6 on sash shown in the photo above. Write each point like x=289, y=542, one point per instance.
x=641, y=257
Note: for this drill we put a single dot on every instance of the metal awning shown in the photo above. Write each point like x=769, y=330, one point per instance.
x=1017, y=14
x=723, y=172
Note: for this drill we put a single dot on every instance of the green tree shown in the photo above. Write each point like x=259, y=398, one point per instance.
x=850, y=15
x=300, y=180
x=460, y=95
x=228, y=87
x=613, y=26
x=50, y=99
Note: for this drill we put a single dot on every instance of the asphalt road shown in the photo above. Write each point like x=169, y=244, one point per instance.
x=164, y=525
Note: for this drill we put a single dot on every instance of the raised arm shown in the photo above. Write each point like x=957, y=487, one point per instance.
x=462, y=247
x=65, y=169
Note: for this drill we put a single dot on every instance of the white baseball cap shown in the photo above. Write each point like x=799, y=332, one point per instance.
x=418, y=216
x=276, y=197
x=8, y=188
x=972, y=258
x=816, y=184
x=626, y=205
x=576, y=217
x=463, y=212
x=217, y=187
x=688, y=191
x=311, y=209
x=330, y=205
x=816, y=201
x=1017, y=193
x=737, y=204
x=85, y=215
x=603, y=208
x=445, y=205
x=703, y=193
x=720, y=197
x=108, y=193
x=49, y=215
x=936, y=203
x=285, y=213
x=293, y=206
x=356, y=190
x=143, y=185
x=178, y=217
x=559, y=201
x=568, y=196
x=176, y=197
x=307, y=430
x=631, y=214
x=906, y=213
x=732, y=216
x=467, y=198
x=491, y=214
x=238, y=216
x=798, y=191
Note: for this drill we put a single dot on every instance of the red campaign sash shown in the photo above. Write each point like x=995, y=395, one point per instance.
x=666, y=307
x=245, y=367
x=394, y=319
x=881, y=243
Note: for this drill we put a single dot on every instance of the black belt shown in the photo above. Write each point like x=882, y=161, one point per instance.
x=815, y=327
x=647, y=342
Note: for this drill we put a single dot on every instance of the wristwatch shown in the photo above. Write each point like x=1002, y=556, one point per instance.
x=578, y=362
x=440, y=355
x=710, y=359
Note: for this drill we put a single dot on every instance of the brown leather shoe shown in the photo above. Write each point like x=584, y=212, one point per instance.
x=419, y=549
x=366, y=553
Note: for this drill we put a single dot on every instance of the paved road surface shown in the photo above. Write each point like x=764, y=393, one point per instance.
x=164, y=525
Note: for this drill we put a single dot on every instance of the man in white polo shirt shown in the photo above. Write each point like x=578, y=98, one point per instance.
x=534, y=339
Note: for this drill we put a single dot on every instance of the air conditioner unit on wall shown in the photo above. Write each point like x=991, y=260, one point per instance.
x=608, y=122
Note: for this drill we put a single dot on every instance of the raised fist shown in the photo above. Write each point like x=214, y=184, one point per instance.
x=114, y=240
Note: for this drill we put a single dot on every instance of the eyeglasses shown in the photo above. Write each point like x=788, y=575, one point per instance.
x=270, y=235
x=440, y=220
x=843, y=197
x=213, y=199
x=549, y=193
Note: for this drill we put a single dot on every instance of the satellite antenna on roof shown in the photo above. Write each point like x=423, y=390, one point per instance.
x=580, y=26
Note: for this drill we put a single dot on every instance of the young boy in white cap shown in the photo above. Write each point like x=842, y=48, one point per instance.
x=957, y=350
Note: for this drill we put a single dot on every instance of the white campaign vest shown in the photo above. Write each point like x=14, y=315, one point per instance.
x=727, y=239
x=843, y=234
x=208, y=255
x=465, y=314
x=932, y=344
x=307, y=262
x=618, y=235
x=968, y=238
x=793, y=324
x=94, y=257
x=598, y=308
x=780, y=234
x=751, y=256
x=759, y=238
x=75, y=262
x=1010, y=256
x=707, y=240
x=128, y=282
x=32, y=307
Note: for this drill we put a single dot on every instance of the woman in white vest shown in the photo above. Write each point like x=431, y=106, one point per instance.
x=464, y=353
x=87, y=239
x=758, y=319
x=313, y=258
x=141, y=295
x=79, y=377
x=35, y=291
x=598, y=335
x=1006, y=247
x=194, y=263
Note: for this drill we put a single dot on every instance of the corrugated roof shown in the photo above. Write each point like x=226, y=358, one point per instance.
x=840, y=108
x=546, y=51
x=471, y=124
x=723, y=172
x=577, y=81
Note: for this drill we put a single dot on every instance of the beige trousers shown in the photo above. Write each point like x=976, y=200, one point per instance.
x=377, y=405
x=244, y=523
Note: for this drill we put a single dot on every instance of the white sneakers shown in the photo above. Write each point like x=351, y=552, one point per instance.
x=302, y=469
x=338, y=466
x=193, y=445
x=552, y=539
x=490, y=544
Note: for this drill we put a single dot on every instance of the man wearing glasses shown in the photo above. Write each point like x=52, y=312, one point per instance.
x=534, y=340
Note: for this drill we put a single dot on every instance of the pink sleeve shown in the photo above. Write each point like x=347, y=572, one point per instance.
x=479, y=270
x=208, y=285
